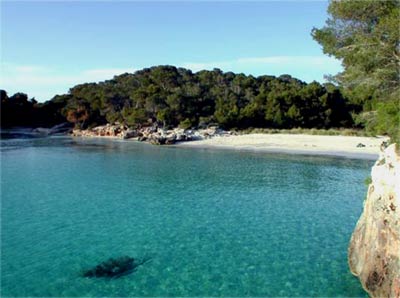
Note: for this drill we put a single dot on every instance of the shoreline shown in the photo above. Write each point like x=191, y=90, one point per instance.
x=298, y=144
x=302, y=144
x=355, y=147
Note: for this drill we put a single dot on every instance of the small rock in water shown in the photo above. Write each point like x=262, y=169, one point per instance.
x=360, y=145
x=114, y=268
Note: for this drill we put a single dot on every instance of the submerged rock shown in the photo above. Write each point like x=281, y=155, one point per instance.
x=374, y=251
x=114, y=268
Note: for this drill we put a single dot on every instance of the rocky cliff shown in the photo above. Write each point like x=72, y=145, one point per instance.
x=374, y=251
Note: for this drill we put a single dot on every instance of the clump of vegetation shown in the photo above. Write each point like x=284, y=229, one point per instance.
x=365, y=35
x=175, y=97
x=19, y=110
x=310, y=131
x=368, y=180
x=185, y=124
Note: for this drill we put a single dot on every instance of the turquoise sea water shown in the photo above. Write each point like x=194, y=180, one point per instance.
x=214, y=222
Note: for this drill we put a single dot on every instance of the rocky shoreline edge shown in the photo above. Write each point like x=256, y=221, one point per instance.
x=374, y=250
x=152, y=134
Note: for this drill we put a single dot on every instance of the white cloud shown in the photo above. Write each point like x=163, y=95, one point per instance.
x=313, y=60
x=194, y=66
x=45, y=82
x=307, y=68
x=266, y=60
x=269, y=60
x=104, y=73
x=26, y=68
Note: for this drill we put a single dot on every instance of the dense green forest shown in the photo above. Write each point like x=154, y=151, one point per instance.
x=174, y=96
x=19, y=110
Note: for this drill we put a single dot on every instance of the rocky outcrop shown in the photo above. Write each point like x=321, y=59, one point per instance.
x=151, y=134
x=130, y=133
x=374, y=251
x=108, y=130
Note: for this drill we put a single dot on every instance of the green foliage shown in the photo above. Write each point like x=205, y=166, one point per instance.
x=185, y=124
x=368, y=180
x=365, y=35
x=175, y=96
x=388, y=119
x=310, y=131
x=19, y=110
x=134, y=116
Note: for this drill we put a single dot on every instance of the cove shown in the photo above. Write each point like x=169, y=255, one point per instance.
x=214, y=223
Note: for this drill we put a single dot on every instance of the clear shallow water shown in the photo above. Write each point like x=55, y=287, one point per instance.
x=215, y=223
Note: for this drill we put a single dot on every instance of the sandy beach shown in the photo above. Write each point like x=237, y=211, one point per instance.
x=345, y=146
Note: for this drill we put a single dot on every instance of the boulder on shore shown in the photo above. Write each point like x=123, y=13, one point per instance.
x=374, y=250
x=108, y=130
x=152, y=134
x=130, y=133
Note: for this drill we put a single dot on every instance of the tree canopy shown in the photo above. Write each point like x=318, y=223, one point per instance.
x=174, y=96
x=365, y=36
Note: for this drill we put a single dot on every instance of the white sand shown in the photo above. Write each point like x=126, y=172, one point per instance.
x=296, y=143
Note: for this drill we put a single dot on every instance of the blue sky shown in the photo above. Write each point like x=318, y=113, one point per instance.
x=48, y=47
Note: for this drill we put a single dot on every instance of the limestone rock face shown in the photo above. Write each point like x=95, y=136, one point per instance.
x=374, y=251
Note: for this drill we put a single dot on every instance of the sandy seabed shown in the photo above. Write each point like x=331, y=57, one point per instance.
x=345, y=146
